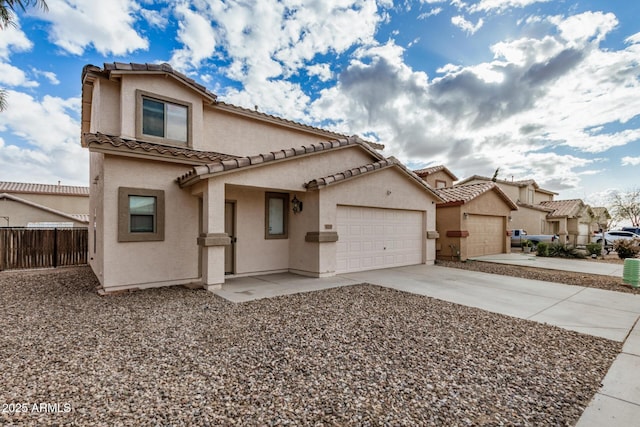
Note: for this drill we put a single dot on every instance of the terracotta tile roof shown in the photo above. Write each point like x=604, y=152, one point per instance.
x=341, y=176
x=84, y=218
x=520, y=183
x=181, y=153
x=461, y=194
x=29, y=188
x=422, y=173
x=565, y=208
x=115, y=67
x=224, y=165
x=536, y=207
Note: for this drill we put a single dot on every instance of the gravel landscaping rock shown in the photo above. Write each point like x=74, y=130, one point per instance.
x=356, y=355
x=608, y=283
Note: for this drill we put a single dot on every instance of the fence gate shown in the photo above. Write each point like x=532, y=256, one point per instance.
x=40, y=248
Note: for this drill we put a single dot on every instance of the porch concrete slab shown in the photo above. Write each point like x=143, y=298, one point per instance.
x=243, y=289
x=575, y=265
x=608, y=411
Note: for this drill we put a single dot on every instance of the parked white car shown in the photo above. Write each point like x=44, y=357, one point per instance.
x=612, y=236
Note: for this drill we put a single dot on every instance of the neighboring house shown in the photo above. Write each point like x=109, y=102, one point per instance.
x=528, y=196
x=473, y=220
x=33, y=205
x=186, y=189
x=572, y=219
x=437, y=176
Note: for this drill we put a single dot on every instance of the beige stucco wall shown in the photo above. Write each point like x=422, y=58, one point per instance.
x=532, y=220
x=20, y=215
x=451, y=218
x=241, y=136
x=96, y=215
x=105, y=112
x=172, y=261
x=439, y=176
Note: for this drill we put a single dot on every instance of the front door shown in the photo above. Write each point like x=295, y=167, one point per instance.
x=230, y=229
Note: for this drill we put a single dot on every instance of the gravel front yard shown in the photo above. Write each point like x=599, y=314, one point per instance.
x=359, y=355
x=608, y=283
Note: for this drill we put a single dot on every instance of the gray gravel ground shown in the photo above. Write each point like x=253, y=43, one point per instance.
x=359, y=355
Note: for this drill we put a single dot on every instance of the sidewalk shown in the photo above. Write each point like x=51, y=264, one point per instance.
x=575, y=265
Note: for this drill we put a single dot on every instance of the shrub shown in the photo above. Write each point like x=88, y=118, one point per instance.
x=542, y=249
x=563, y=251
x=627, y=248
x=594, y=248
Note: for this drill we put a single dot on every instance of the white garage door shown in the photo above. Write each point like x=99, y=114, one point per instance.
x=370, y=238
x=486, y=235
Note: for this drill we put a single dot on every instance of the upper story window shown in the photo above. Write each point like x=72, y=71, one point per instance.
x=162, y=119
x=440, y=183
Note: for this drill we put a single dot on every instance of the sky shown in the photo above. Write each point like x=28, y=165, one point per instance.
x=543, y=90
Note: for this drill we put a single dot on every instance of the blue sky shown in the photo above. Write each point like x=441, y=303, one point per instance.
x=548, y=90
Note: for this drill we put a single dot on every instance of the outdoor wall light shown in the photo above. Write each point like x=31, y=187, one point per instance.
x=296, y=205
x=465, y=215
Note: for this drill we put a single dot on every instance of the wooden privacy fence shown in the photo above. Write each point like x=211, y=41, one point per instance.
x=40, y=248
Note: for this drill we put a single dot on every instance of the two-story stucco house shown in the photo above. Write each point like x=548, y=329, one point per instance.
x=186, y=189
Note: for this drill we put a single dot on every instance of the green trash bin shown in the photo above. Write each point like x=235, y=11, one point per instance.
x=631, y=272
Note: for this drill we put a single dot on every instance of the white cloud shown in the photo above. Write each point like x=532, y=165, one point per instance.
x=13, y=76
x=433, y=12
x=105, y=25
x=51, y=76
x=467, y=26
x=197, y=35
x=155, y=18
x=13, y=40
x=580, y=29
x=502, y=5
x=322, y=71
x=538, y=94
x=630, y=161
x=45, y=143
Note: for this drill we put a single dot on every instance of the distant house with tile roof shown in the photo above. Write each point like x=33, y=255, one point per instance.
x=187, y=189
x=437, y=176
x=572, y=215
x=539, y=213
x=473, y=220
x=29, y=204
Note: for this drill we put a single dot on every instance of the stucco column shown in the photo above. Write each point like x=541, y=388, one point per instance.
x=212, y=238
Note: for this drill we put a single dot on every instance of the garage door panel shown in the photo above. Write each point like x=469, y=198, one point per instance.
x=486, y=235
x=378, y=238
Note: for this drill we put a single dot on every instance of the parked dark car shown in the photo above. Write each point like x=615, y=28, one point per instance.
x=632, y=229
